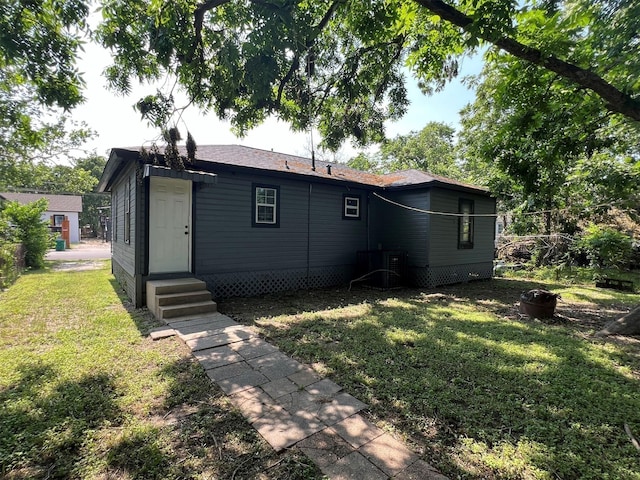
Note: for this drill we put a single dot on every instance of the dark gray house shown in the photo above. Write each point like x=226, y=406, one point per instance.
x=248, y=221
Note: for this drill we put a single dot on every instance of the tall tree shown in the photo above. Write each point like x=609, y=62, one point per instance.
x=340, y=63
x=432, y=150
x=28, y=160
x=39, y=45
x=538, y=142
x=93, y=204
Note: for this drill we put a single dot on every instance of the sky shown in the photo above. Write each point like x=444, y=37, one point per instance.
x=118, y=125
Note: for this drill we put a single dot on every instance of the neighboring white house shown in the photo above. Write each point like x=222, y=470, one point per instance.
x=60, y=207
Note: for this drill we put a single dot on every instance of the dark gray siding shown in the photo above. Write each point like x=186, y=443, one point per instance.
x=398, y=228
x=335, y=240
x=124, y=253
x=443, y=247
x=225, y=240
x=430, y=240
x=142, y=226
x=312, y=246
x=447, y=262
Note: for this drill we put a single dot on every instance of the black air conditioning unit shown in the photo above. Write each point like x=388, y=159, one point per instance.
x=382, y=268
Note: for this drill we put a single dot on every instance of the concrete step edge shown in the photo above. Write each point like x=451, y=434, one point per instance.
x=178, y=285
x=183, y=298
x=171, y=311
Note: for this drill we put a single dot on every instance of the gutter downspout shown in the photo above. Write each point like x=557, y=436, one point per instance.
x=368, y=221
x=139, y=267
x=309, y=233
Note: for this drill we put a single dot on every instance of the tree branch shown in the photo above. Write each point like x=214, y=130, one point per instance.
x=294, y=66
x=198, y=19
x=327, y=16
x=308, y=43
x=615, y=100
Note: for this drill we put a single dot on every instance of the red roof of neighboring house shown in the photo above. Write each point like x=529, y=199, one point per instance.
x=57, y=203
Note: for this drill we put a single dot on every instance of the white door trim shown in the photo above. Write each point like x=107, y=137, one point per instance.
x=170, y=225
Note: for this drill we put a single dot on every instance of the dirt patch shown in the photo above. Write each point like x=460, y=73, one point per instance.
x=77, y=266
x=499, y=296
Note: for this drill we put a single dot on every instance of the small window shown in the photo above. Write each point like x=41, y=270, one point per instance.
x=127, y=212
x=465, y=224
x=351, y=208
x=57, y=220
x=114, y=215
x=266, y=206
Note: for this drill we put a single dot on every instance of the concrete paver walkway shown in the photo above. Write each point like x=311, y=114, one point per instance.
x=290, y=404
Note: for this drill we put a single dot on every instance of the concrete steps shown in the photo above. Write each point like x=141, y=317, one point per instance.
x=179, y=297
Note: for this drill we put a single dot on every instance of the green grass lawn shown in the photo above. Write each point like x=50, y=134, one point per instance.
x=84, y=393
x=478, y=390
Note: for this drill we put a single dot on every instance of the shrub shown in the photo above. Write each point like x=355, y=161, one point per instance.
x=11, y=263
x=28, y=228
x=604, y=247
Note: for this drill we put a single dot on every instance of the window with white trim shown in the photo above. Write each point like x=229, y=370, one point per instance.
x=266, y=206
x=351, y=207
x=127, y=212
x=114, y=216
x=465, y=224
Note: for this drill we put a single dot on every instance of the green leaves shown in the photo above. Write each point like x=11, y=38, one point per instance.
x=605, y=246
x=543, y=145
x=39, y=42
x=432, y=150
x=248, y=60
x=30, y=229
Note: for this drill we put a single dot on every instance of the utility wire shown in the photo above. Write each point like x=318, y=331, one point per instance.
x=432, y=212
x=494, y=215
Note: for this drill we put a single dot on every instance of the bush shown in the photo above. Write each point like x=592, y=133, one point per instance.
x=24, y=224
x=11, y=263
x=604, y=247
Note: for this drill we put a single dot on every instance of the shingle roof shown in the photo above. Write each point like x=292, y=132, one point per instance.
x=238, y=155
x=57, y=203
x=418, y=177
x=248, y=157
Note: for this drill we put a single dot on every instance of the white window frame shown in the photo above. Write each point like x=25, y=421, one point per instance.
x=348, y=210
x=127, y=212
x=114, y=216
x=273, y=207
x=466, y=208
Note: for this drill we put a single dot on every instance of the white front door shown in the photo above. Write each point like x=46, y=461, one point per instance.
x=169, y=225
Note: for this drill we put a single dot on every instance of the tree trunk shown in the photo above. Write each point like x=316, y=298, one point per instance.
x=615, y=100
x=629, y=324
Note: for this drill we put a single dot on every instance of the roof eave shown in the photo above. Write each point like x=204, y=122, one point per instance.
x=440, y=184
x=210, y=165
x=114, y=165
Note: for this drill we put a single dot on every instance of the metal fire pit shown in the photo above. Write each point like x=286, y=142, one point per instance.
x=538, y=303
